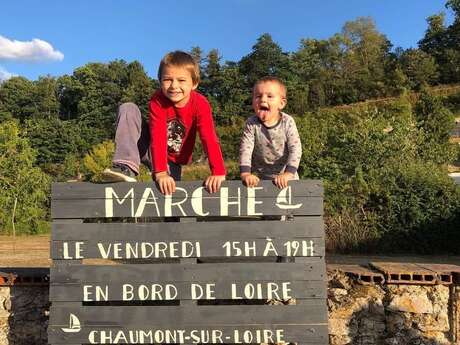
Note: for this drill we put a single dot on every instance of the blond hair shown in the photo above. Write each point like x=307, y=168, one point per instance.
x=272, y=79
x=180, y=59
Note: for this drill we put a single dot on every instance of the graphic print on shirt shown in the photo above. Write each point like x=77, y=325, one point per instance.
x=176, y=134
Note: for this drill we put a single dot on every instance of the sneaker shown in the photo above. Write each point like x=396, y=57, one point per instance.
x=119, y=173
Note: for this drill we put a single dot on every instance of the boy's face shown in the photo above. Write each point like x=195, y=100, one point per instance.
x=268, y=100
x=177, y=84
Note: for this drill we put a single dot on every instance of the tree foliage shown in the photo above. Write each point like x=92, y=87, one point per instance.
x=443, y=42
x=385, y=174
x=25, y=188
x=383, y=162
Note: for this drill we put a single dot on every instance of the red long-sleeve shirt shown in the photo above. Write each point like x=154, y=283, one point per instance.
x=173, y=132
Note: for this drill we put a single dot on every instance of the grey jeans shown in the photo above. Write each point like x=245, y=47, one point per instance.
x=132, y=141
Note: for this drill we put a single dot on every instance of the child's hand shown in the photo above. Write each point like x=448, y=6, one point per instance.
x=249, y=180
x=213, y=182
x=165, y=182
x=281, y=181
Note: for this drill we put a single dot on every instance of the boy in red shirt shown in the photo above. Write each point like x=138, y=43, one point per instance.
x=177, y=113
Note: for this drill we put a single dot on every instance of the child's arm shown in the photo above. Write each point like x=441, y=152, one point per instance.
x=211, y=146
x=246, y=149
x=159, y=131
x=295, y=153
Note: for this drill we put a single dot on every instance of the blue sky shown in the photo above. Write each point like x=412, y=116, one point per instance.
x=69, y=34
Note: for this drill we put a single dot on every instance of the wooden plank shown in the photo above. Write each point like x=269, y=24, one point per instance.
x=189, y=281
x=204, y=248
x=312, y=312
x=312, y=334
x=108, y=208
x=144, y=200
x=243, y=229
x=195, y=290
x=202, y=272
x=266, y=189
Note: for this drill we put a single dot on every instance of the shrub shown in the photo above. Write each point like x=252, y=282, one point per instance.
x=419, y=208
x=199, y=172
x=99, y=158
x=383, y=190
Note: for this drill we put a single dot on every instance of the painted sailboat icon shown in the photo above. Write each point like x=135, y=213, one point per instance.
x=74, y=325
x=284, y=200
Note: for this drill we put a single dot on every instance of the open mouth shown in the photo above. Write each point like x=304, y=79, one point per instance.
x=264, y=114
x=263, y=111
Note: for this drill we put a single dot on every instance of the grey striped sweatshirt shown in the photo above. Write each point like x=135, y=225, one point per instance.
x=269, y=151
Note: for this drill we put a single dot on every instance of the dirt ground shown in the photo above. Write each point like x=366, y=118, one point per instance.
x=33, y=251
x=24, y=251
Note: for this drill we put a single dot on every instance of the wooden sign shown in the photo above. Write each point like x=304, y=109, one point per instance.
x=296, y=238
x=71, y=200
x=207, y=281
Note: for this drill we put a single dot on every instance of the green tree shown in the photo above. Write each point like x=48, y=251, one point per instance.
x=17, y=99
x=211, y=80
x=366, y=55
x=454, y=5
x=94, y=91
x=309, y=65
x=351, y=66
x=52, y=148
x=211, y=74
x=442, y=42
x=266, y=58
x=419, y=67
x=24, y=100
x=45, y=98
x=197, y=54
x=434, y=39
x=235, y=96
x=435, y=122
x=139, y=87
x=25, y=188
x=69, y=93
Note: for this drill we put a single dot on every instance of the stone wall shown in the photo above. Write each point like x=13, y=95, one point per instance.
x=358, y=314
x=23, y=315
x=391, y=314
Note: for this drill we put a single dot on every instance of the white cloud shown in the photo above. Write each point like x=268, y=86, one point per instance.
x=36, y=50
x=4, y=74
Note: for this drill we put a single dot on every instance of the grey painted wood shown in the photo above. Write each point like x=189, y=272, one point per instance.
x=71, y=305
x=96, y=208
x=68, y=222
x=222, y=290
x=295, y=247
x=144, y=200
x=84, y=190
x=301, y=334
x=313, y=312
x=202, y=289
x=304, y=279
x=243, y=229
x=456, y=178
x=202, y=272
